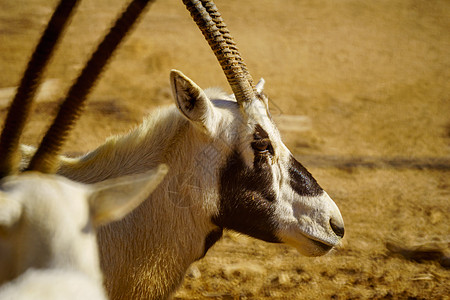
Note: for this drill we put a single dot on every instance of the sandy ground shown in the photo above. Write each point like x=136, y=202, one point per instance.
x=369, y=81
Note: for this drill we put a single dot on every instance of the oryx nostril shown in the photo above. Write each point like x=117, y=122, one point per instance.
x=338, y=230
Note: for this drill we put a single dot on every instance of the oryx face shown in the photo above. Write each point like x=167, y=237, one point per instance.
x=264, y=191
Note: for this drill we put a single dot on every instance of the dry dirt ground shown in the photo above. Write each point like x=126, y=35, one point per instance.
x=371, y=80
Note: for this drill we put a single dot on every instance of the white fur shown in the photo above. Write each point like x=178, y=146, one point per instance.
x=48, y=245
x=52, y=284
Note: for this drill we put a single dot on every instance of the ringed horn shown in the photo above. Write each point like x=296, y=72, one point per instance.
x=45, y=158
x=211, y=24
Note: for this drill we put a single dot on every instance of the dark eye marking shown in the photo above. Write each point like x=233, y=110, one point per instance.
x=260, y=133
x=261, y=142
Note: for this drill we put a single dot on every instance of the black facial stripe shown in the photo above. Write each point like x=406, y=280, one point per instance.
x=246, y=198
x=301, y=180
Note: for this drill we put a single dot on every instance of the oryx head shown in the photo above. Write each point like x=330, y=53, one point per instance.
x=48, y=221
x=263, y=190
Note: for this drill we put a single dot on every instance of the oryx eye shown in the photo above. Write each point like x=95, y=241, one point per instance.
x=261, y=142
x=261, y=145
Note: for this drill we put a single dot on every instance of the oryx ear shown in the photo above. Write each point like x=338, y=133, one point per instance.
x=112, y=199
x=191, y=100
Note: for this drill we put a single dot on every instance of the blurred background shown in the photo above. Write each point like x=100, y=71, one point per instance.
x=361, y=93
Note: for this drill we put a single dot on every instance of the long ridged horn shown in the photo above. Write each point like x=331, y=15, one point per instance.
x=45, y=159
x=213, y=12
x=209, y=21
x=20, y=107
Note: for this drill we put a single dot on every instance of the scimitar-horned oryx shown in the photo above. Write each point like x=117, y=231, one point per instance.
x=228, y=169
x=48, y=245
